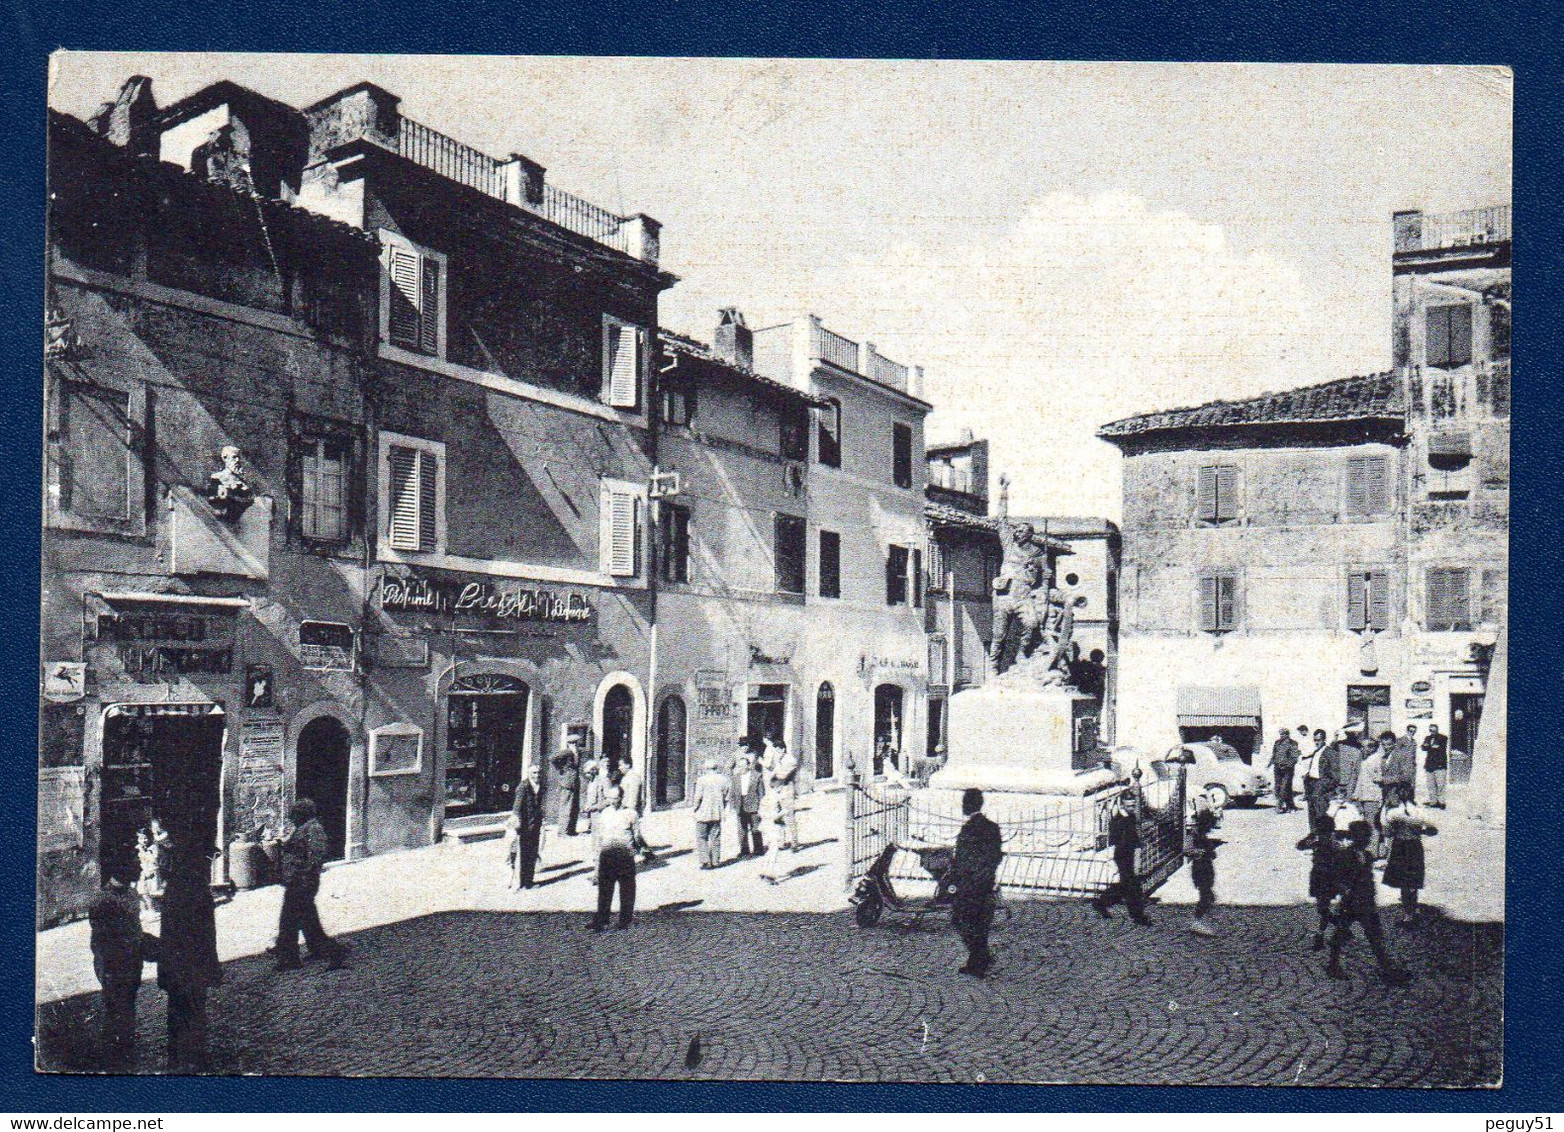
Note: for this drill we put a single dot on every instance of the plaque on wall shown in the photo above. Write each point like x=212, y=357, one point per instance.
x=326, y=646
x=400, y=650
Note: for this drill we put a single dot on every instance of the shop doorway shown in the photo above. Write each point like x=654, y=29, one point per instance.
x=618, y=728
x=767, y=715
x=162, y=761
x=825, y=731
x=485, y=741
x=887, y=727
x=1466, y=716
x=668, y=783
x=321, y=775
x=1369, y=705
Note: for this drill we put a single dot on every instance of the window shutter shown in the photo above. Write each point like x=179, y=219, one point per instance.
x=1379, y=601
x=1205, y=496
x=1357, y=489
x=622, y=345
x=1226, y=494
x=1436, y=351
x=917, y=578
x=1226, y=601
x=1357, y=601
x=402, y=506
x=428, y=485
x=429, y=308
x=1376, y=485
x=621, y=532
x=406, y=297
x=1208, y=603
x=1460, y=334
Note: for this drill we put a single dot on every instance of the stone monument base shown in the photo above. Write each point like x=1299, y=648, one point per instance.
x=1031, y=741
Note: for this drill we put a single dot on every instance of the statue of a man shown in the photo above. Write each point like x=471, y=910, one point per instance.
x=1023, y=572
x=229, y=491
x=1058, y=636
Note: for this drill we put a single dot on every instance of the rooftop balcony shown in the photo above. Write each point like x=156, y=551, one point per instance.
x=791, y=350
x=1430, y=232
x=368, y=113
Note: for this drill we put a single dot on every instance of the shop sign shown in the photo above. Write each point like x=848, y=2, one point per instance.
x=64, y=681
x=60, y=793
x=481, y=599
x=714, y=703
x=157, y=647
x=887, y=664
x=1414, y=702
x=1422, y=688
x=326, y=646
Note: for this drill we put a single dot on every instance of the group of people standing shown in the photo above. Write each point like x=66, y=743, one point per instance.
x=761, y=792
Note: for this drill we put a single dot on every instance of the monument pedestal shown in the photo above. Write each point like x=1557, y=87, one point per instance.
x=1019, y=740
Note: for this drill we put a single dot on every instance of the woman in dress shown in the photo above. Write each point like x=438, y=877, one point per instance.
x=1405, y=826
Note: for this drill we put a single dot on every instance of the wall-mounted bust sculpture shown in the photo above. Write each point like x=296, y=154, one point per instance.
x=228, y=491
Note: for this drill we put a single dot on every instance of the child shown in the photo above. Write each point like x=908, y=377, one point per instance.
x=1355, y=877
x=772, y=866
x=1202, y=864
x=152, y=846
x=119, y=948
x=1322, y=875
x=1405, y=826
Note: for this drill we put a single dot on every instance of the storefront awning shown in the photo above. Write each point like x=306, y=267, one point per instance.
x=149, y=711
x=138, y=597
x=1231, y=706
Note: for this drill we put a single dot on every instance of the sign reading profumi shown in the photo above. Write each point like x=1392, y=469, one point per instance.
x=481, y=599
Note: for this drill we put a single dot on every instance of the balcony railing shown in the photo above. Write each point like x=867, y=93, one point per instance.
x=476, y=169
x=888, y=372
x=1416, y=231
x=838, y=350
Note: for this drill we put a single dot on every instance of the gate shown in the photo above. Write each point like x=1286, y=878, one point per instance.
x=1054, y=844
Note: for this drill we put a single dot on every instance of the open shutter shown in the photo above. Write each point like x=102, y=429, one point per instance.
x=1208, y=604
x=622, y=351
x=1461, y=334
x=405, y=273
x=428, y=486
x=1226, y=601
x=1379, y=601
x=402, y=506
x=429, y=308
x=1226, y=494
x=618, y=529
x=1205, y=496
x=1357, y=601
x=1376, y=485
x=917, y=578
x=1357, y=487
x=1436, y=351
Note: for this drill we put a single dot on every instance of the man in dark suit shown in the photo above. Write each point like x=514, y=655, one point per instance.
x=1284, y=760
x=749, y=787
x=119, y=948
x=1124, y=837
x=528, y=812
x=971, y=882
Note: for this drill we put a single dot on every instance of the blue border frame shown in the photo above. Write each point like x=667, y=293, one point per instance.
x=1523, y=37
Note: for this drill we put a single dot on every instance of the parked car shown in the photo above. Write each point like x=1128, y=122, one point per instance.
x=1226, y=781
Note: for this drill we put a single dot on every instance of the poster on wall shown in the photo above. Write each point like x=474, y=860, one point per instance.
x=60, y=791
x=259, y=793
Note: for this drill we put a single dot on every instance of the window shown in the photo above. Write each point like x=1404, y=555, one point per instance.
x=1449, y=336
x=412, y=493
x=830, y=564
x=896, y=576
x=830, y=421
x=789, y=554
x=1368, y=600
x=678, y=404
x=915, y=580
x=1216, y=494
x=1449, y=598
x=674, y=551
x=1499, y=330
x=624, y=347
x=901, y=455
x=793, y=433
x=1368, y=485
x=323, y=512
x=1219, y=603
x=413, y=289
x=97, y=481
x=621, y=507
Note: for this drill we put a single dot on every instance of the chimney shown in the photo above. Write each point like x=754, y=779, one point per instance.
x=127, y=121
x=734, y=341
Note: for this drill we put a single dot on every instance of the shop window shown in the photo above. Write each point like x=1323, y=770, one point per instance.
x=97, y=480
x=1449, y=336
x=674, y=551
x=1368, y=600
x=323, y=488
x=793, y=433
x=789, y=554
x=901, y=455
x=1216, y=494
x=1368, y=486
x=896, y=561
x=621, y=507
x=829, y=419
x=412, y=493
x=1449, y=599
x=830, y=564
x=413, y=288
x=624, y=349
x=1219, y=602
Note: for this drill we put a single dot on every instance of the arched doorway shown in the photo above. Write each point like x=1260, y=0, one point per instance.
x=668, y=785
x=618, y=730
x=485, y=741
x=887, y=727
x=825, y=731
x=321, y=775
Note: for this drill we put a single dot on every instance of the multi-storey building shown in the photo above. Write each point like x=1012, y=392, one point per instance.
x=1336, y=552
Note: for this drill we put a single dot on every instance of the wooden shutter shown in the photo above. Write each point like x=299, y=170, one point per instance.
x=1226, y=601
x=1205, y=496
x=1436, y=351
x=402, y=503
x=917, y=578
x=1226, y=494
x=1460, y=334
x=621, y=344
x=405, y=273
x=1357, y=601
x=619, y=529
x=1378, y=600
x=1208, y=603
x=428, y=486
x=1376, y=485
x=1357, y=489
x=429, y=308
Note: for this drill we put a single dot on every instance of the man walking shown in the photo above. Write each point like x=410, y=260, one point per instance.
x=1284, y=761
x=1124, y=837
x=119, y=948
x=1368, y=797
x=749, y=788
x=1355, y=875
x=619, y=831
x=303, y=857
x=971, y=883
x=1436, y=764
x=528, y=815
x=712, y=792
x=782, y=780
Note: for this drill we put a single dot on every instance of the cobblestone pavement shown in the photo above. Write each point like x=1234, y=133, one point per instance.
x=812, y=997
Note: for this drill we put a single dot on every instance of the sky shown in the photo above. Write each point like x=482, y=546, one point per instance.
x=1057, y=244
